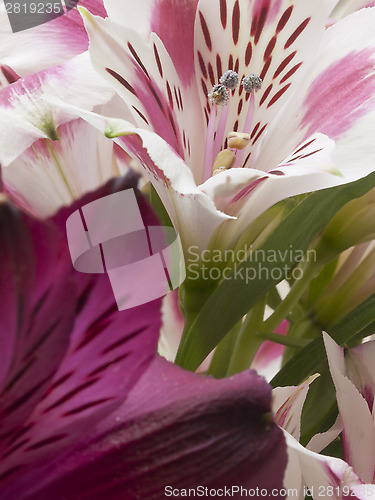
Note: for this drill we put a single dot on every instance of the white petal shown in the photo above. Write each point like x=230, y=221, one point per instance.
x=50, y=174
x=318, y=442
x=287, y=406
x=26, y=113
x=326, y=477
x=247, y=193
x=360, y=369
x=192, y=212
x=359, y=430
x=130, y=14
x=284, y=38
x=143, y=74
x=337, y=99
x=346, y=7
x=172, y=327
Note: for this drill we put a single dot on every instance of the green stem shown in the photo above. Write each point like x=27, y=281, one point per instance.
x=287, y=305
x=304, y=330
x=248, y=342
x=223, y=352
x=284, y=340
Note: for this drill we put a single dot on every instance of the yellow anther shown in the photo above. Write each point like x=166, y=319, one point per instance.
x=218, y=170
x=238, y=140
x=225, y=159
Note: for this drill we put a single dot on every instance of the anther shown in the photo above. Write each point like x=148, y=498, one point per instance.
x=251, y=82
x=218, y=170
x=238, y=140
x=229, y=79
x=224, y=160
x=219, y=95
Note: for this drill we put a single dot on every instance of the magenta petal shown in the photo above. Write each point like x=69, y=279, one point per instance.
x=346, y=99
x=173, y=22
x=108, y=352
x=48, y=44
x=176, y=429
x=36, y=310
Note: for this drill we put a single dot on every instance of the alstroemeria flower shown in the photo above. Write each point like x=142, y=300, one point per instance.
x=49, y=156
x=354, y=378
x=87, y=407
x=309, y=124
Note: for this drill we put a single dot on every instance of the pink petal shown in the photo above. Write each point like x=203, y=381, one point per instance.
x=108, y=351
x=49, y=44
x=174, y=23
x=352, y=90
x=176, y=429
x=33, y=266
x=267, y=361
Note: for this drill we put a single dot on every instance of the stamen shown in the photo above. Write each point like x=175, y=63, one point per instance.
x=247, y=125
x=251, y=82
x=238, y=140
x=209, y=149
x=219, y=95
x=224, y=159
x=218, y=170
x=229, y=79
x=219, y=138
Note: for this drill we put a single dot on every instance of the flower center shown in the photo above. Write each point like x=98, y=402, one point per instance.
x=217, y=159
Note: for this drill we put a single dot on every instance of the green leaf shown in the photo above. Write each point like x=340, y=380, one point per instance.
x=319, y=284
x=235, y=296
x=307, y=361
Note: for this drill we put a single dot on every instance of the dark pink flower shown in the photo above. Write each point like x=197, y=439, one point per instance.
x=88, y=409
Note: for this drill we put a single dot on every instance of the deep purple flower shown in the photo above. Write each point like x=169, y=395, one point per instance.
x=88, y=409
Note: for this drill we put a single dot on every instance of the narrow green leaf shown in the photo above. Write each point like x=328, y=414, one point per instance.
x=307, y=361
x=234, y=297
